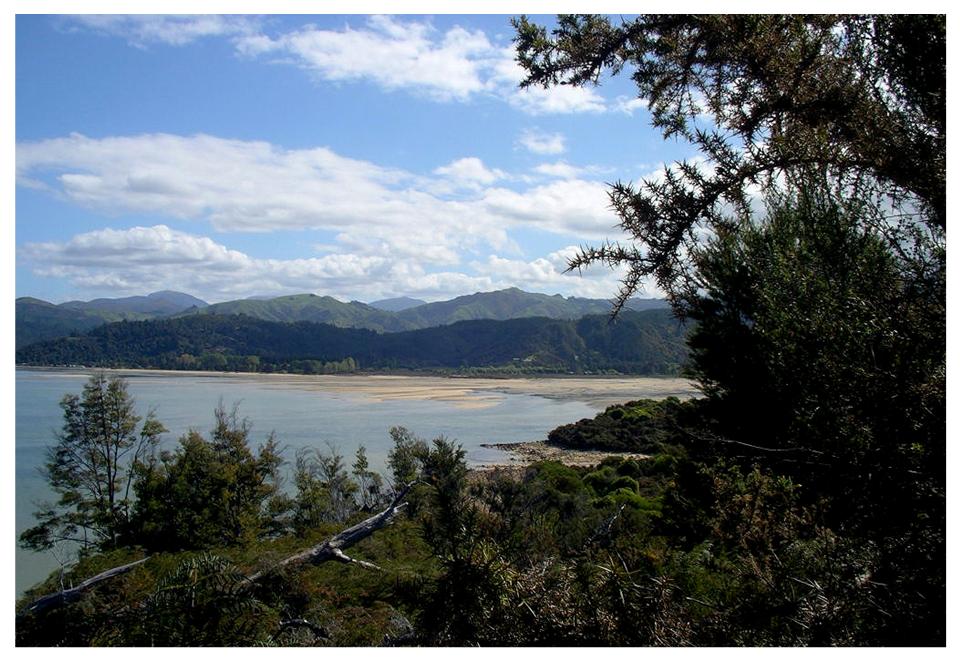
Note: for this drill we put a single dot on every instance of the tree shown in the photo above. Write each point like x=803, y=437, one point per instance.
x=405, y=459
x=809, y=336
x=809, y=248
x=863, y=98
x=369, y=483
x=325, y=492
x=208, y=493
x=92, y=467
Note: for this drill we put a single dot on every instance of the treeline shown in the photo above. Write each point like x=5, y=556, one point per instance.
x=650, y=342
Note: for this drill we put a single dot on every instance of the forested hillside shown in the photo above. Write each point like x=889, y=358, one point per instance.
x=39, y=320
x=649, y=342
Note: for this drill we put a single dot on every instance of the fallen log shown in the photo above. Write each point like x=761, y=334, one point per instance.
x=332, y=549
x=63, y=597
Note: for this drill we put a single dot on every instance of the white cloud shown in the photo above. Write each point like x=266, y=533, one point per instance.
x=470, y=172
x=139, y=259
x=538, y=142
x=560, y=169
x=141, y=30
x=391, y=53
x=144, y=258
x=255, y=187
x=561, y=99
x=549, y=275
x=393, y=232
x=572, y=207
x=536, y=100
x=458, y=64
x=628, y=105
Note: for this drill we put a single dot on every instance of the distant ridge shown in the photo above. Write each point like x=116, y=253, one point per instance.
x=512, y=303
x=40, y=322
x=397, y=304
x=157, y=304
x=310, y=307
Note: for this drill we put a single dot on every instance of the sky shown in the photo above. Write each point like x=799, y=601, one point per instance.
x=357, y=156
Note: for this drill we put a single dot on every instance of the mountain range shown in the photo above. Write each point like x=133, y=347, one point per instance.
x=38, y=320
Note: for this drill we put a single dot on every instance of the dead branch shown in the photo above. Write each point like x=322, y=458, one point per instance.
x=332, y=549
x=57, y=599
x=300, y=622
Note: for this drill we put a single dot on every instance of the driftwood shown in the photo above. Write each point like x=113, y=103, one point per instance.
x=332, y=549
x=57, y=599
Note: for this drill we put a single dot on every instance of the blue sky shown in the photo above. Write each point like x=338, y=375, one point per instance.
x=360, y=157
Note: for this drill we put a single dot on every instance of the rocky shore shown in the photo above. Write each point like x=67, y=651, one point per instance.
x=524, y=454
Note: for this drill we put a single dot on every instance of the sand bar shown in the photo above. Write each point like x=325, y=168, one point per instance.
x=462, y=392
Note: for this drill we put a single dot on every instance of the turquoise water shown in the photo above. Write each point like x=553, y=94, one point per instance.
x=300, y=417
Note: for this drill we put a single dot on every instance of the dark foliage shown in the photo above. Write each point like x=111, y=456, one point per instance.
x=647, y=426
x=761, y=96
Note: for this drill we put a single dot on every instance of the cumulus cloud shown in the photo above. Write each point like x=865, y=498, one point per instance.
x=549, y=275
x=390, y=53
x=457, y=64
x=630, y=105
x=470, y=172
x=560, y=169
x=391, y=232
x=250, y=186
x=144, y=258
x=138, y=259
x=256, y=187
x=538, y=142
x=573, y=207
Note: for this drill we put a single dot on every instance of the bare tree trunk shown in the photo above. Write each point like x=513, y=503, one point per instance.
x=332, y=549
x=57, y=599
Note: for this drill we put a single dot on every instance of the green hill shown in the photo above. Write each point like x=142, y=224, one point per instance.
x=310, y=307
x=157, y=304
x=505, y=304
x=38, y=320
x=397, y=304
x=649, y=342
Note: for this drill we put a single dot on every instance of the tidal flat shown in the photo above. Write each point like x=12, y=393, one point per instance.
x=465, y=392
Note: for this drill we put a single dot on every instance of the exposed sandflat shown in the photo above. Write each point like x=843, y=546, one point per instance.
x=464, y=392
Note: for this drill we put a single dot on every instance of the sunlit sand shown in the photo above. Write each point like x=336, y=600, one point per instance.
x=466, y=392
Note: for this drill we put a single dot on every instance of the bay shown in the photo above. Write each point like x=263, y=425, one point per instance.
x=342, y=412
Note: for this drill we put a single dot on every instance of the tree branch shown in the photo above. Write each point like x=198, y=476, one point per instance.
x=63, y=597
x=332, y=549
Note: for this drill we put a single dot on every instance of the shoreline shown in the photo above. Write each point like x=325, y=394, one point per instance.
x=523, y=454
x=466, y=392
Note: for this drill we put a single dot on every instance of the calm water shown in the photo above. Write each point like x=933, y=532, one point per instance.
x=300, y=416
